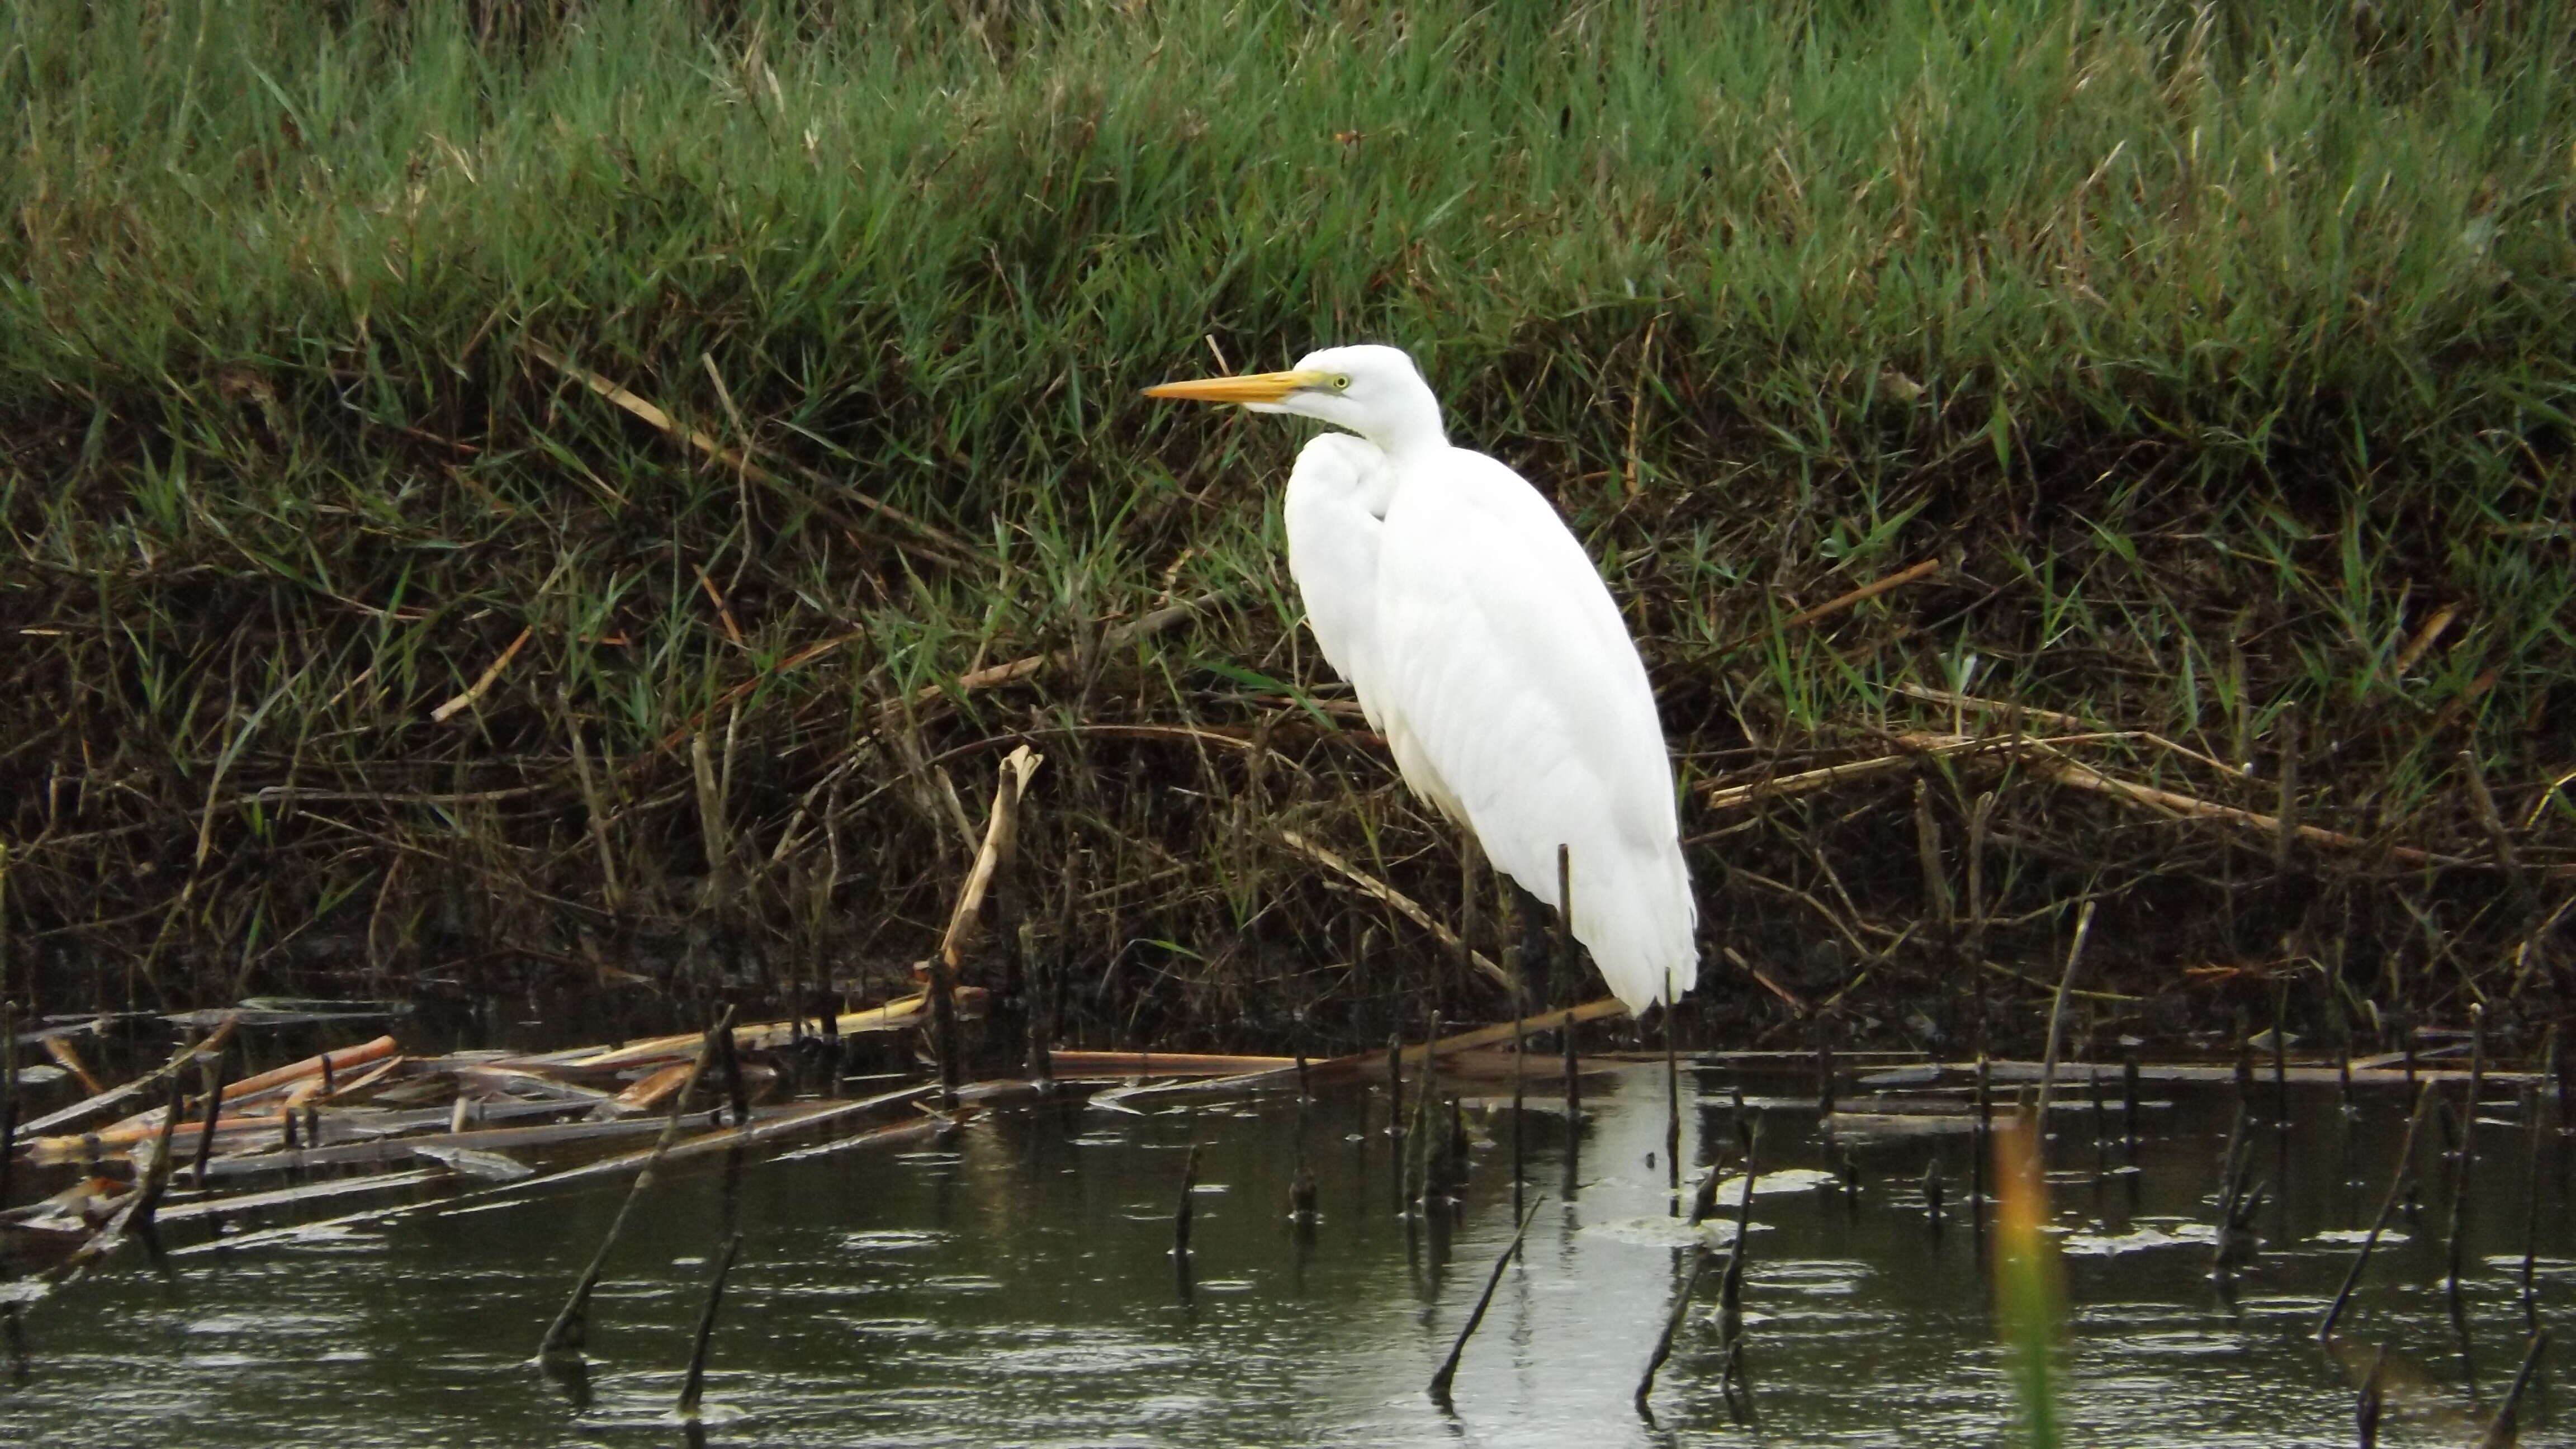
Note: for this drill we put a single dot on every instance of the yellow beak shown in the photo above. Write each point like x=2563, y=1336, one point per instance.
x=1257, y=387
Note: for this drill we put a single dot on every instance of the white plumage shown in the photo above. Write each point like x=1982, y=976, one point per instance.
x=1483, y=645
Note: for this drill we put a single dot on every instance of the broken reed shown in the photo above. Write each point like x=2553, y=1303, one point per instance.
x=363, y=616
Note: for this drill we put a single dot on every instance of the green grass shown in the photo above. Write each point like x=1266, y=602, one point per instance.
x=2212, y=354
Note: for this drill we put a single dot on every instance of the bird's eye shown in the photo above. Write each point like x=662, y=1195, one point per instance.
x=1341, y=382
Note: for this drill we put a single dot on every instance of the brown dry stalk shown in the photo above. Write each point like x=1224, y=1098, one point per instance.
x=1403, y=904
x=2054, y=720
x=144, y=1124
x=2041, y=757
x=1731, y=796
x=1485, y=1036
x=895, y=1015
x=482, y=685
x=1861, y=595
x=1071, y=1064
x=2060, y=770
x=1116, y=638
x=101, y=1100
x=730, y=458
x=2424, y=637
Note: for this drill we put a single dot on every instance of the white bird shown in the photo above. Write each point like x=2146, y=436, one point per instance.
x=1484, y=646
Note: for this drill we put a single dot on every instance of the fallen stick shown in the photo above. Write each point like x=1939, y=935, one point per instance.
x=728, y=457
x=2503, y=1431
x=1162, y=1064
x=2388, y=1206
x=483, y=683
x=566, y=1336
x=694, y=1382
x=505, y=1194
x=143, y=1124
x=1448, y=1374
x=248, y=1202
x=2063, y=771
x=1808, y=781
x=2053, y=720
x=900, y=1014
x=101, y=1101
x=1403, y=904
x=1836, y=605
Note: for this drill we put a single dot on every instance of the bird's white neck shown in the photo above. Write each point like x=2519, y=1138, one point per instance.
x=1409, y=429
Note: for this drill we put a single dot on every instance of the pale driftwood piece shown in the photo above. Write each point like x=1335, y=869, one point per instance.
x=901, y=1014
x=250, y=1202
x=1001, y=839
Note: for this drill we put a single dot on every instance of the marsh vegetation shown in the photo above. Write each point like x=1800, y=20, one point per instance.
x=510, y=500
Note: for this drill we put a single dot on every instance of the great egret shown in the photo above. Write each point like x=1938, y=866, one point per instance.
x=1483, y=645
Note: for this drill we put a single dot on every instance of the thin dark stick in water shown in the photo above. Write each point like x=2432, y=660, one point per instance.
x=1417, y=1163
x=1704, y=1201
x=2057, y=1015
x=2503, y=1431
x=8, y=1054
x=1508, y=917
x=943, y=1030
x=156, y=1178
x=1301, y=1182
x=1395, y=1112
x=1520, y=1115
x=2365, y=1409
x=2462, y=1167
x=2562, y=1070
x=2101, y=1117
x=1672, y=1103
x=214, y=1078
x=1448, y=1374
x=2280, y=1057
x=566, y=1335
x=2343, y=1072
x=1824, y=1070
x=2129, y=1099
x=1730, y=1293
x=2531, y=1214
x=692, y=1385
x=2387, y=1207
x=1569, y=972
x=1981, y=1126
x=1672, y=1326
x=9, y=1084
x=1181, y=1214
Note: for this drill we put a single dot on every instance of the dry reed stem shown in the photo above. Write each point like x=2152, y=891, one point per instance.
x=899, y=1014
x=1403, y=904
x=101, y=1100
x=739, y=462
x=1001, y=839
x=1836, y=605
x=483, y=683
x=2424, y=637
x=2054, y=720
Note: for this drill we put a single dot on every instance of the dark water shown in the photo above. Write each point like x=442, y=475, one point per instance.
x=1013, y=1285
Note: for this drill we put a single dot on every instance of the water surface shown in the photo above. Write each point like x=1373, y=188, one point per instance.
x=1014, y=1284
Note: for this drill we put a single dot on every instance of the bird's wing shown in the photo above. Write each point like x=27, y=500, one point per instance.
x=1336, y=495
x=1515, y=699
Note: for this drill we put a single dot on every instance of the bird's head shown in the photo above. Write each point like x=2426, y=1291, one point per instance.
x=1370, y=390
